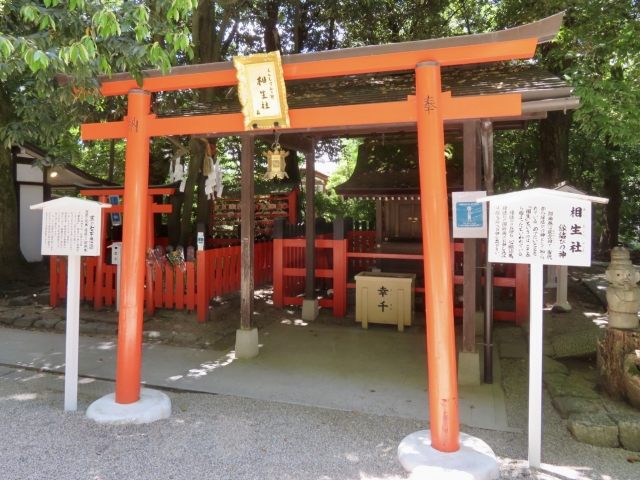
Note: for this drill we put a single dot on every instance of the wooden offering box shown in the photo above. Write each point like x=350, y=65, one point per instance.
x=385, y=298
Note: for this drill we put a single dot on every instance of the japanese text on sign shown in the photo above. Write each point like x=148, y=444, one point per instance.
x=263, y=90
x=382, y=291
x=70, y=232
x=544, y=230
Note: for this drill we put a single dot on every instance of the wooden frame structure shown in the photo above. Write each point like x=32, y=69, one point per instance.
x=425, y=112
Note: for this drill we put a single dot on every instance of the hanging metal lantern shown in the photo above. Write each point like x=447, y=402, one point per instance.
x=275, y=162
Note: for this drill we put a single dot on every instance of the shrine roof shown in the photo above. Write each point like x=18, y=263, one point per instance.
x=390, y=170
x=531, y=81
x=66, y=175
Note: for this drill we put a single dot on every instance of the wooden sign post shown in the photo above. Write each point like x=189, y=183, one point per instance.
x=72, y=227
x=539, y=227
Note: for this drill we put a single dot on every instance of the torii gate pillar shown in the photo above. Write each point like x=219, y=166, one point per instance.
x=134, y=236
x=437, y=453
x=129, y=404
x=441, y=348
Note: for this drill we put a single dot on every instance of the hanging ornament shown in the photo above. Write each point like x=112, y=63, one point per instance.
x=213, y=183
x=177, y=175
x=210, y=182
x=218, y=174
x=275, y=162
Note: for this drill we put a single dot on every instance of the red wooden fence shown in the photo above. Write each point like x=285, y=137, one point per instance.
x=215, y=272
x=360, y=241
x=289, y=273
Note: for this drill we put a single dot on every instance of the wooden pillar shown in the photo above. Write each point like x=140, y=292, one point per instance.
x=134, y=237
x=441, y=348
x=310, y=231
x=247, y=235
x=471, y=169
x=479, y=241
x=378, y=248
x=486, y=127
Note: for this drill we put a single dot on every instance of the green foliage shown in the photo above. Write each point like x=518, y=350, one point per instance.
x=94, y=157
x=82, y=39
x=329, y=204
x=515, y=158
x=596, y=52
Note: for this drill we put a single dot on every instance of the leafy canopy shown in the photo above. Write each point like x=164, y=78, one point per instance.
x=82, y=39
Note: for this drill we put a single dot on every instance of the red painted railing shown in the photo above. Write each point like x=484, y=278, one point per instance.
x=216, y=272
x=360, y=241
x=289, y=270
x=289, y=273
x=517, y=278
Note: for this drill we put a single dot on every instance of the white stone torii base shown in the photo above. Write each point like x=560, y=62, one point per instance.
x=153, y=405
x=474, y=461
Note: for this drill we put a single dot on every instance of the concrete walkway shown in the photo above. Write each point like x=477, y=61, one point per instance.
x=377, y=371
x=597, y=283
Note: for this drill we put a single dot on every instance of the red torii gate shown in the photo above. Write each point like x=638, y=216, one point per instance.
x=103, y=196
x=429, y=108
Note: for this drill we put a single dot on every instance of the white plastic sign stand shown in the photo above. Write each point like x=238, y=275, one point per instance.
x=72, y=227
x=539, y=227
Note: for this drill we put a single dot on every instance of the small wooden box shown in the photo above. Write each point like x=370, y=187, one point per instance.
x=383, y=297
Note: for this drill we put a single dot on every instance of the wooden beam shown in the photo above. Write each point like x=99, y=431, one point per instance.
x=393, y=62
x=246, y=232
x=304, y=68
x=304, y=119
x=103, y=131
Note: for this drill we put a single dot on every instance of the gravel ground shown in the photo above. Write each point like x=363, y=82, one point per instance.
x=221, y=437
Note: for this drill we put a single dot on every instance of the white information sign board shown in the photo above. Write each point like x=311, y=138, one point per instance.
x=539, y=227
x=469, y=216
x=540, y=230
x=72, y=227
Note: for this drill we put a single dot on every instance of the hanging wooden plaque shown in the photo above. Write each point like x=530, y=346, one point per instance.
x=261, y=91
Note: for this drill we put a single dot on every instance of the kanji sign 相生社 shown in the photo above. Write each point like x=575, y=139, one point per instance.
x=261, y=91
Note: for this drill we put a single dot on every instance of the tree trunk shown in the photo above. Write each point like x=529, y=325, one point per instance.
x=195, y=164
x=271, y=36
x=174, y=219
x=10, y=255
x=203, y=212
x=611, y=190
x=553, y=157
x=611, y=352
